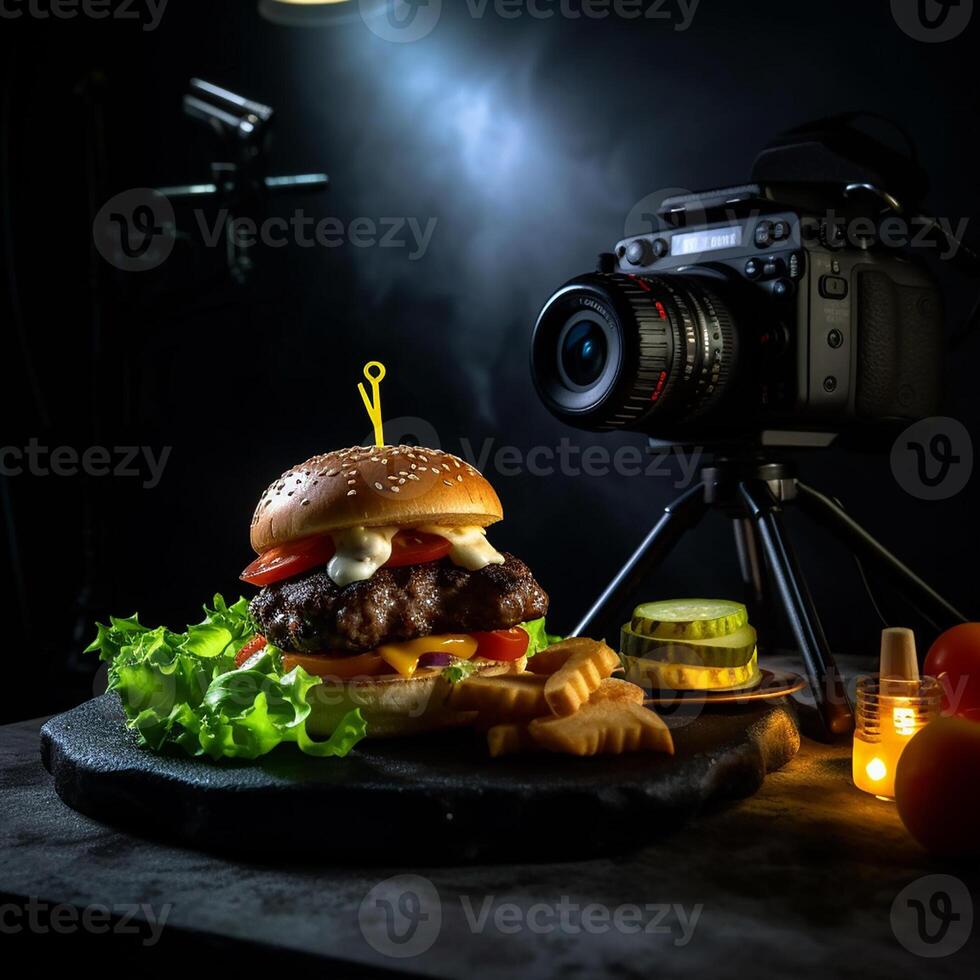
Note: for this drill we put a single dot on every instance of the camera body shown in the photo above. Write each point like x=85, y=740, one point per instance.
x=743, y=319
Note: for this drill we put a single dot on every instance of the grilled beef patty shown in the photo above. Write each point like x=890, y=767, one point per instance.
x=310, y=614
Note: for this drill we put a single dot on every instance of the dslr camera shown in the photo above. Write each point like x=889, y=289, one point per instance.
x=772, y=313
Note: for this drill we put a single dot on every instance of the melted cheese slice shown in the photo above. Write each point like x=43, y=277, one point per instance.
x=470, y=548
x=404, y=657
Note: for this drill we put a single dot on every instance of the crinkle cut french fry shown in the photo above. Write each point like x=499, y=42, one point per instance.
x=549, y=660
x=589, y=663
x=506, y=696
x=604, y=728
x=618, y=691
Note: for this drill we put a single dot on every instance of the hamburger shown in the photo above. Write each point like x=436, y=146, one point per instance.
x=377, y=576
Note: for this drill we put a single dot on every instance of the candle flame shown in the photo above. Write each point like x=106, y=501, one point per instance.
x=876, y=770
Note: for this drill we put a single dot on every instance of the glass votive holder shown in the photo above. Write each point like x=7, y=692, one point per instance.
x=889, y=712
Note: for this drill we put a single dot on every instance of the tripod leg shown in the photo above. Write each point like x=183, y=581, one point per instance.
x=835, y=519
x=826, y=683
x=752, y=562
x=680, y=516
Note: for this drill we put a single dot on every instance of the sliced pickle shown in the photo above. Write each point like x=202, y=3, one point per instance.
x=651, y=674
x=689, y=619
x=733, y=650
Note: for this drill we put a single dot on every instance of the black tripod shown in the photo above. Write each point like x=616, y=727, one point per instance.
x=752, y=493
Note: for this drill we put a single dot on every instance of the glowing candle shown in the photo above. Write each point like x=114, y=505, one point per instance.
x=889, y=713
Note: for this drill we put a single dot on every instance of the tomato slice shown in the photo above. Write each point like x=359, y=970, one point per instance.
x=250, y=649
x=289, y=559
x=324, y=665
x=503, y=645
x=416, y=548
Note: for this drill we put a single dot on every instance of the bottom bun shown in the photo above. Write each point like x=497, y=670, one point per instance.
x=395, y=705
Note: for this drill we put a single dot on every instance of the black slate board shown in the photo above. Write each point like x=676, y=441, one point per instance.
x=440, y=792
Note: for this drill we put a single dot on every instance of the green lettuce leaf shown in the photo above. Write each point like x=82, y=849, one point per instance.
x=540, y=638
x=184, y=689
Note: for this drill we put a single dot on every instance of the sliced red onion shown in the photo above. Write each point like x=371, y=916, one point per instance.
x=436, y=660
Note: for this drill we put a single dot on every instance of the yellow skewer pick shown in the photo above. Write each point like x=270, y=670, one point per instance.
x=375, y=373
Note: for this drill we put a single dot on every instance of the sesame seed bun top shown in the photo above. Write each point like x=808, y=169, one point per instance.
x=403, y=486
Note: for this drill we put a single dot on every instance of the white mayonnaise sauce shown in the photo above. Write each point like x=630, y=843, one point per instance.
x=470, y=548
x=361, y=551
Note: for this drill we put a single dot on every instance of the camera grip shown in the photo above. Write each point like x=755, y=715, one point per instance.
x=900, y=348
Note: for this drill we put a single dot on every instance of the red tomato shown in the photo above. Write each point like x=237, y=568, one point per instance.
x=323, y=665
x=502, y=644
x=289, y=559
x=285, y=561
x=955, y=659
x=252, y=647
x=936, y=789
x=416, y=548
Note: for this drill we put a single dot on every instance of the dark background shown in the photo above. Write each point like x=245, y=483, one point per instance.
x=530, y=141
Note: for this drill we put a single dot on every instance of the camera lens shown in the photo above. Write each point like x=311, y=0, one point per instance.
x=582, y=352
x=612, y=351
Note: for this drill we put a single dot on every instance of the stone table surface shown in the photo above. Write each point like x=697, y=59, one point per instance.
x=799, y=880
